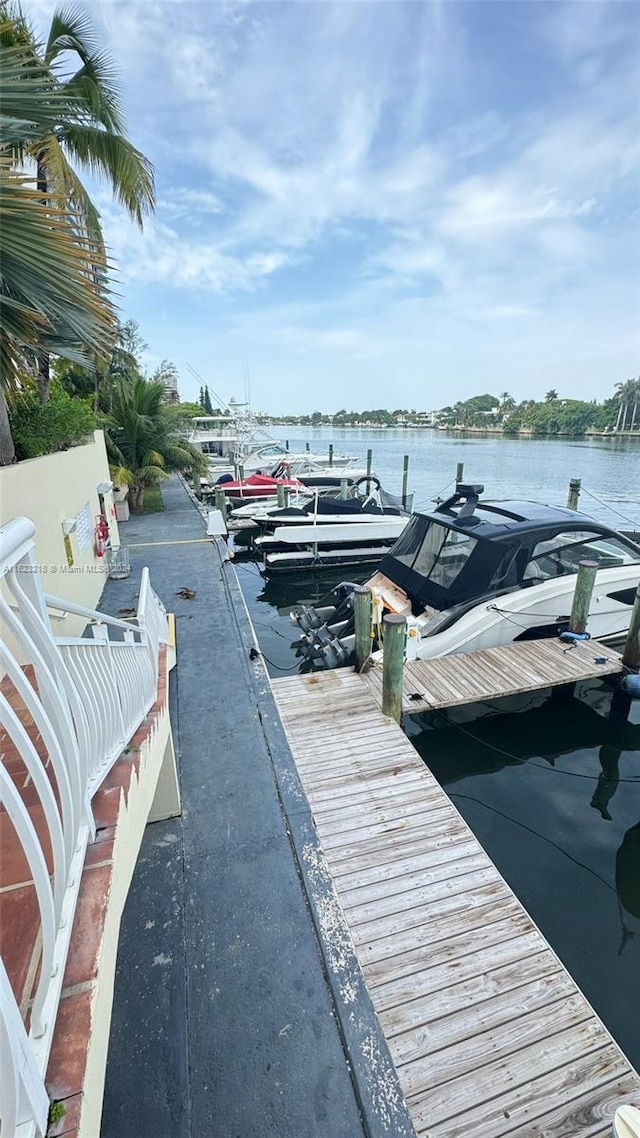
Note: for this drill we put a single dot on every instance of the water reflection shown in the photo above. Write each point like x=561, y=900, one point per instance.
x=628, y=884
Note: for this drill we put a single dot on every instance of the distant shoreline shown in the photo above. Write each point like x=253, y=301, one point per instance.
x=477, y=432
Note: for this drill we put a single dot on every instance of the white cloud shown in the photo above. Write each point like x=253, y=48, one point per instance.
x=441, y=203
x=162, y=256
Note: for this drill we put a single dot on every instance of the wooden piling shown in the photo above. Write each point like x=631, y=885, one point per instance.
x=280, y=493
x=459, y=473
x=240, y=472
x=405, y=479
x=197, y=485
x=286, y=444
x=221, y=501
x=330, y=454
x=287, y=496
x=395, y=636
x=585, y=581
x=344, y=489
x=307, y=447
x=574, y=493
x=369, y=469
x=362, y=605
x=631, y=654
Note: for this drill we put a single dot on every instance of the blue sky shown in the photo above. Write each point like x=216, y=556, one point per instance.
x=382, y=204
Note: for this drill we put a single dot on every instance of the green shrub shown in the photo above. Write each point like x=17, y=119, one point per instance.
x=43, y=428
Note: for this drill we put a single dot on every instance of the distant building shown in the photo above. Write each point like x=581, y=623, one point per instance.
x=170, y=384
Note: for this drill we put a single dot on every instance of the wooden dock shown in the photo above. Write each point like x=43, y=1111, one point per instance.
x=489, y=1033
x=492, y=673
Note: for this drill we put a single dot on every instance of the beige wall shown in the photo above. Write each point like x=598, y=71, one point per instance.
x=49, y=491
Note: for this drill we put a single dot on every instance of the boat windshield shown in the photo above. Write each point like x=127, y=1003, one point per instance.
x=561, y=554
x=439, y=555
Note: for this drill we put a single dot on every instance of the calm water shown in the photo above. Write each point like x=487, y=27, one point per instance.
x=551, y=789
x=539, y=469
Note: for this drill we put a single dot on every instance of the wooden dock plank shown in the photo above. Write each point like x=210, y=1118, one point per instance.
x=492, y=673
x=489, y=1033
x=471, y=1038
x=498, y=968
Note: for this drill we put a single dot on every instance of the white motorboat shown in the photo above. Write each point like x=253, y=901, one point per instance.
x=233, y=438
x=312, y=473
x=476, y=574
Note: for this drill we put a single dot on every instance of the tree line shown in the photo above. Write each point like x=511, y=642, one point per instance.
x=551, y=415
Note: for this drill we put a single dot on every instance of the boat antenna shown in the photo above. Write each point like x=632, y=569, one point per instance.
x=245, y=419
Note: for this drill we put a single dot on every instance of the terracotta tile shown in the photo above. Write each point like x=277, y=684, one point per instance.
x=105, y=834
x=68, y=1125
x=19, y=925
x=15, y=766
x=106, y=806
x=14, y=867
x=65, y=1073
x=100, y=851
x=88, y=926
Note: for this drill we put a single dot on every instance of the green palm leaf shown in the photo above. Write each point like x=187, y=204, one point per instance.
x=114, y=158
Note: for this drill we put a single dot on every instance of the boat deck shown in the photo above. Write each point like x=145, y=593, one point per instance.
x=471, y=677
x=489, y=1033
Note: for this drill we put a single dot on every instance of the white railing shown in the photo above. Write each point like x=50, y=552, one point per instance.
x=88, y=699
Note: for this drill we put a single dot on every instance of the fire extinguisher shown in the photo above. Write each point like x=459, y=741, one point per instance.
x=100, y=535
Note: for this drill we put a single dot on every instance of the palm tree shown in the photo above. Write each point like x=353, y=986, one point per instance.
x=50, y=294
x=627, y=394
x=636, y=397
x=551, y=395
x=95, y=139
x=145, y=441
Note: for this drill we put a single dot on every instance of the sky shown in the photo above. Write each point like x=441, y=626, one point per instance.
x=381, y=204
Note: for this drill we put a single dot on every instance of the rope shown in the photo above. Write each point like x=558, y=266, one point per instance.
x=608, y=507
x=536, y=834
x=515, y=758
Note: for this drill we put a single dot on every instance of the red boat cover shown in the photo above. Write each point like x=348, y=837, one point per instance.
x=262, y=483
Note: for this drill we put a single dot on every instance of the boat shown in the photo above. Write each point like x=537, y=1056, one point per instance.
x=216, y=436
x=318, y=507
x=321, y=546
x=476, y=574
x=369, y=502
x=313, y=474
x=233, y=437
x=330, y=531
x=254, y=487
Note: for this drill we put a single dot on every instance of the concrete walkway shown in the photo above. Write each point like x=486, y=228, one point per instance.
x=227, y=1020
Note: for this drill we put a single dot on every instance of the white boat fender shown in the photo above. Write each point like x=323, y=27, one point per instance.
x=631, y=684
x=572, y=637
x=626, y=1122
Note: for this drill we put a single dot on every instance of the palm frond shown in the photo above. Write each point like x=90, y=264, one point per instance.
x=64, y=183
x=95, y=83
x=113, y=157
x=32, y=104
x=48, y=286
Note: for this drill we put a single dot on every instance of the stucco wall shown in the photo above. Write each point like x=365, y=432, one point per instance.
x=50, y=491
